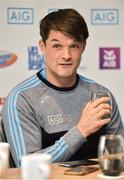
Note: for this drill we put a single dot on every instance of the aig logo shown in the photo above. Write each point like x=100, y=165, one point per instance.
x=20, y=15
x=104, y=16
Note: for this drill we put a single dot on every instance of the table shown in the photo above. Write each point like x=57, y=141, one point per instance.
x=57, y=172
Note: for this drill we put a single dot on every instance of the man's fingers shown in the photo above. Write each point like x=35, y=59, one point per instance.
x=98, y=101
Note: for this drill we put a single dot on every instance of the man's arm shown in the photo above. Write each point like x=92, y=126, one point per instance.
x=24, y=133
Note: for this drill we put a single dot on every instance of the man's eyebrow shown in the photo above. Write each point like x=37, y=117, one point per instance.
x=57, y=40
x=54, y=40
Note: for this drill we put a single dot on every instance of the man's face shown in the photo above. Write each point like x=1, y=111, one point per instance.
x=62, y=55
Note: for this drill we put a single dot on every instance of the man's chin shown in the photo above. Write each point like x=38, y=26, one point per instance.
x=66, y=76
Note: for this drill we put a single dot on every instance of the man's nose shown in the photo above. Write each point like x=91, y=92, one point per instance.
x=66, y=53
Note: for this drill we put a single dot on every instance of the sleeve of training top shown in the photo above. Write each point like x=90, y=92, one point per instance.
x=24, y=133
x=116, y=124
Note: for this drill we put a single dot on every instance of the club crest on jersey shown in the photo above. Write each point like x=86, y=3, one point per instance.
x=55, y=119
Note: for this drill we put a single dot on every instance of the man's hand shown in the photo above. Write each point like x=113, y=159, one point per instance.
x=91, y=117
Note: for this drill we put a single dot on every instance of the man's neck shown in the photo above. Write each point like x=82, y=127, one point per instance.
x=62, y=81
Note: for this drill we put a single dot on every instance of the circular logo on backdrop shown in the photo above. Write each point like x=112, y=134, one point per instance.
x=7, y=58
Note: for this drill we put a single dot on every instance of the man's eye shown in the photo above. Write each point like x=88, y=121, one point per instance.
x=74, y=46
x=56, y=46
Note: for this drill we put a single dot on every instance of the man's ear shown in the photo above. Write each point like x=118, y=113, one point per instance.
x=42, y=46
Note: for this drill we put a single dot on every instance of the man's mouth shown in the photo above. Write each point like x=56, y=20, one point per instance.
x=65, y=64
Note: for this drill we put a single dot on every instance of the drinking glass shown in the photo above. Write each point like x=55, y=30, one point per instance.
x=99, y=94
x=111, y=154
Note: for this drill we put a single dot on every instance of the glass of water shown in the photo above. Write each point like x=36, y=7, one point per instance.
x=99, y=94
x=111, y=154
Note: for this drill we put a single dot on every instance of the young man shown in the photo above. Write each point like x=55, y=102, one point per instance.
x=52, y=112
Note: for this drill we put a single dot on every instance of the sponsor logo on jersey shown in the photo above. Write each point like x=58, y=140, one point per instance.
x=55, y=119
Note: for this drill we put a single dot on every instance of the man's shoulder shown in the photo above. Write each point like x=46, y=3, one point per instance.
x=31, y=86
x=86, y=80
x=92, y=84
x=28, y=90
x=28, y=83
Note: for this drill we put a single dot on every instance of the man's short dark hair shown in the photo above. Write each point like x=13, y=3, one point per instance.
x=68, y=21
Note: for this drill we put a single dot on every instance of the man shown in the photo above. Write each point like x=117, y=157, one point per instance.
x=52, y=112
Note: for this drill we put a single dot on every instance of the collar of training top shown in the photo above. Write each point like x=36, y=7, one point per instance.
x=42, y=76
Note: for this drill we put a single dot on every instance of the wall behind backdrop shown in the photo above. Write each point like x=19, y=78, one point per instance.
x=103, y=59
